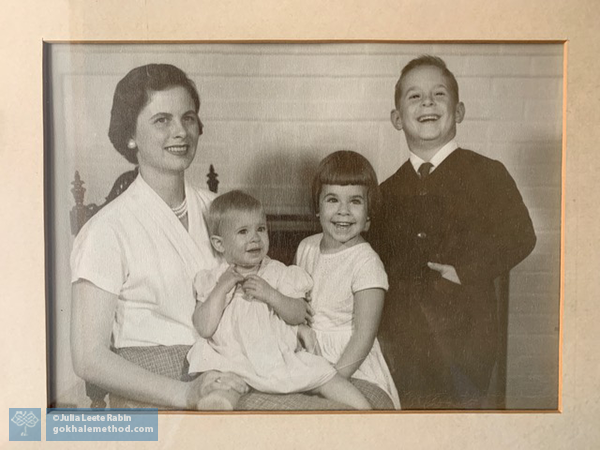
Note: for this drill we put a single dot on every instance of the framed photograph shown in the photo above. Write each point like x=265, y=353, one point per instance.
x=270, y=112
x=28, y=332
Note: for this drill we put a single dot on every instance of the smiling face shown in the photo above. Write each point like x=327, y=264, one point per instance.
x=343, y=215
x=244, y=240
x=428, y=110
x=167, y=132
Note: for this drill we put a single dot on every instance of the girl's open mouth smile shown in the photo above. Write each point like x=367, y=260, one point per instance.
x=342, y=225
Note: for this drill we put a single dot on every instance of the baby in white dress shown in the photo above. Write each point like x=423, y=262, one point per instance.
x=242, y=308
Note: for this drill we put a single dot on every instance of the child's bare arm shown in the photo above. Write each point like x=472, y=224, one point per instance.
x=294, y=311
x=368, y=305
x=207, y=315
x=308, y=339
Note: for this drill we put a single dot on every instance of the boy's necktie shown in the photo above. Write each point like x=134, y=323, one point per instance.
x=424, y=170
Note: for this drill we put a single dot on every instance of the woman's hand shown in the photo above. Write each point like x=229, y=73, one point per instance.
x=308, y=339
x=212, y=381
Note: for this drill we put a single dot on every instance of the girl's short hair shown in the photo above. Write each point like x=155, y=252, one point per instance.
x=344, y=168
x=223, y=205
x=132, y=95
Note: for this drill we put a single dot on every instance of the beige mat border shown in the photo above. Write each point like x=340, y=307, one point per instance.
x=26, y=23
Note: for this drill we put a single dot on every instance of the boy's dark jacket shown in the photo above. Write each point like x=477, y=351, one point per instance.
x=468, y=213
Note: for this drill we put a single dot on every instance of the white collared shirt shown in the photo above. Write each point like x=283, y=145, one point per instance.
x=437, y=159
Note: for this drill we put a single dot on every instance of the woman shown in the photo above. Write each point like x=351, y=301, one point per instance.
x=133, y=263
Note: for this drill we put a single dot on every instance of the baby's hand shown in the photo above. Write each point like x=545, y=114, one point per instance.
x=308, y=339
x=259, y=289
x=229, y=278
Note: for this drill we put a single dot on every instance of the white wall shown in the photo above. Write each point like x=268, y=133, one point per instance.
x=271, y=112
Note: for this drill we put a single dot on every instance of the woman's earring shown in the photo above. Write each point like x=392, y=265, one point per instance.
x=131, y=144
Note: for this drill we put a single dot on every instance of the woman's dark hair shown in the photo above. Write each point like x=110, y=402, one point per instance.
x=133, y=93
x=345, y=168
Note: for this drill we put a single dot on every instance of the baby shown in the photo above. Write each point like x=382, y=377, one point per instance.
x=241, y=310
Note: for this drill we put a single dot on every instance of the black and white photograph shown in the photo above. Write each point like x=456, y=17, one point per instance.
x=304, y=226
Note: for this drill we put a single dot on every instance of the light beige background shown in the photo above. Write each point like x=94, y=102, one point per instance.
x=25, y=23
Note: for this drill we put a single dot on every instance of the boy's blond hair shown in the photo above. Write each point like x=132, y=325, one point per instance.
x=426, y=60
x=224, y=205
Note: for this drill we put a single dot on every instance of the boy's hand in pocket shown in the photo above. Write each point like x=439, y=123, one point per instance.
x=446, y=271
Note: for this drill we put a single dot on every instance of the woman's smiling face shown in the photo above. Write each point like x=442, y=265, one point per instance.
x=167, y=132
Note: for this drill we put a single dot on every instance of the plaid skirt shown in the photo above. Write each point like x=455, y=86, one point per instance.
x=171, y=362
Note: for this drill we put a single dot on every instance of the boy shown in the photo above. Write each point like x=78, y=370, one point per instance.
x=452, y=222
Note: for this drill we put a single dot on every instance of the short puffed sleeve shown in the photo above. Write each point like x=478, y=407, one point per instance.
x=205, y=281
x=294, y=282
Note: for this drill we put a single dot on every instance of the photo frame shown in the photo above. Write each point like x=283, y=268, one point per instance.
x=536, y=21
x=279, y=108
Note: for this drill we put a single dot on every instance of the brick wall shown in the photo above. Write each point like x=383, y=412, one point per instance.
x=272, y=112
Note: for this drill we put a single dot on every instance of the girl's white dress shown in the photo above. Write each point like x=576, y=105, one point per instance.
x=253, y=342
x=336, y=278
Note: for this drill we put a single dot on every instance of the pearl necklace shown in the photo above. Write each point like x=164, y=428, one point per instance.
x=181, y=210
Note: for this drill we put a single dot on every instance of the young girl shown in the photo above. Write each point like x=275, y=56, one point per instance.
x=348, y=276
x=239, y=308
